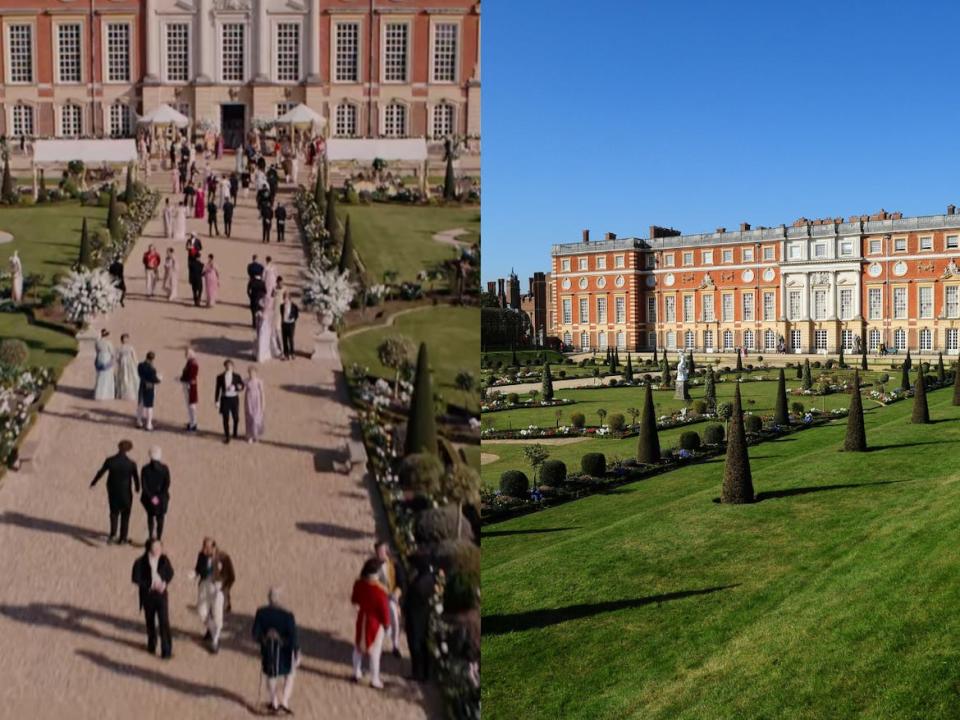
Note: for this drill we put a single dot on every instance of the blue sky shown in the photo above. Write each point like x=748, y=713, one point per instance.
x=618, y=115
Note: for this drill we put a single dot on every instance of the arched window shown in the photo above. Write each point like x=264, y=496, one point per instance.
x=727, y=340
x=900, y=339
x=770, y=340
x=671, y=340
x=926, y=340
x=443, y=120
x=120, y=121
x=602, y=340
x=346, y=120
x=71, y=124
x=748, y=339
x=621, y=340
x=21, y=120
x=873, y=340
x=708, y=339
x=395, y=120
x=584, y=340
x=567, y=339
x=688, y=339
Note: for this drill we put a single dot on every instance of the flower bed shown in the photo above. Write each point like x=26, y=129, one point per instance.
x=20, y=393
x=501, y=403
x=533, y=431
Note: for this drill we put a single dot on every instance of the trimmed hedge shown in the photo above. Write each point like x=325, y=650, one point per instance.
x=690, y=440
x=515, y=483
x=616, y=422
x=594, y=464
x=752, y=423
x=578, y=420
x=553, y=473
x=713, y=434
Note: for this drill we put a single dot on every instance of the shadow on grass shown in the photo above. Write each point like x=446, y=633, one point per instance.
x=531, y=531
x=893, y=446
x=790, y=492
x=545, y=617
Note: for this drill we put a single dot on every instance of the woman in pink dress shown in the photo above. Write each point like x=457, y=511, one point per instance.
x=253, y=406
x=201, y=204
x=211, y=281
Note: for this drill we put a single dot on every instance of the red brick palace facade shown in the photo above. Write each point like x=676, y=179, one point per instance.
x=812, y=287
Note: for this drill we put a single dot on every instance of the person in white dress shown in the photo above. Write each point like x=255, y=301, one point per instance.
x=16, y=278
x=103, y=363
x=170, y=275
x=264, y=341
x=180, y=223
x=128, y=382
x=169, y=219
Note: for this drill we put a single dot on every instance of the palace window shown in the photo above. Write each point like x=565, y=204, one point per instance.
x=953, y=339
x=22, y=117
x=727, y=340
x=819, y=304
x=728, y=256
x=443, y=124
x=68, y=53
x=621, y=340
x=951, y=307
x=952, y=242
x=288, y=52
x=820, y=339
x=70, y=121
x=748, y=307
x=769, y=252
x=688, y=312
x=120, y=121
x=601, y=262
x=708, y=339
x=396, y=38
x=671, y=340
x=601, y=309
x=794, y=302
x=846, y=339
x=708, y=308
x=178, y=52
x=583, y=263
x=900, y=303
x=926, y=340
x=233, y=52
x=846, y=304
x=846, y=248
x=348, y=52
x=796, y=251
x=602, y=340
x=796, y=340
x=900, y=245
x=445, y=52
x=820, y=250
x=20, y=49
x=875, y=247
x=118, y=52
x=726, y=307
x=618, y=261
x=926, y=302
x=688, y=258
x=746, y=254
x=620, y=309
x=748, y=339
x=584, y=311
x=567, y=312
x=346, y=120
x=769, y=306
x=873, y=340
x=688, y=340
x=875, y=303
x=567, y=339
x=769, y=340
x=670, y=308
x=668, y=260
x=283, y=108
x=651, y=339
x=565, y=265
x=584, y=340
x=395, y=120
x=900, y=339
x=926, y=243
x=707, y=257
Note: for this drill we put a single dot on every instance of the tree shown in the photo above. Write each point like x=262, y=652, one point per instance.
x=534, y=394
x=612, y=361
x=42, y=194
x=780, y=416
x=648, y=446
x=856, y=438
x=346, y=252
x=807, y=382
x=602, y=414
x=396, y=353
x=113, y=215
x=465, y=382
x=422, y=422
x=449, y=181
x=628, y=373
x=840, y=361
x=739, y=361
x=558, y=415
x=941, y=372
x=536, y=456
x=863, y=356
x=86, y=251
x=690, y=366
x=8, y=193
x=128, y=190
x=616, y=359
x=799, y=371
x=319, y=191
x=655, y=355
x=921, y=413
x=905, y=378
x=513, y=356
x=547, y=387
x=710, y=389
x=665, y=380
x=634, y=414
x=462, y=486
x=908, y=362
x=330, y=218
x=737, y=481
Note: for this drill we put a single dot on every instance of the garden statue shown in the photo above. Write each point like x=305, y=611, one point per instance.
x=682, y=374
x=857, y=346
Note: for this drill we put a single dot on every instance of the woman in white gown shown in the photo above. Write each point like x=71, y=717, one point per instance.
x=128, y=382
x=103, y=363
x=276, y=341
x=170, y=275
x=180, y=223
x=16, y=278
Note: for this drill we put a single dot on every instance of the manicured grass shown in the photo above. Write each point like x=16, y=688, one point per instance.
x=506, y=357
x=834, y=596
x=47, y=347
x=47, y=236
x=452, y=335
x=400, y=237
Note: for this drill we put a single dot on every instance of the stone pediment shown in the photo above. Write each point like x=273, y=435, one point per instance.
x=221, y=5
x=297, y=5
x=187, y=5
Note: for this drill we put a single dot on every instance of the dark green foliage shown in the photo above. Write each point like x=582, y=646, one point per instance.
x=13, y=353
x=797, y=407
x=616, y=422
x=86, y=250
x=841, y=361
x=908, y=362
x=628, y=373
x=449, y=181
x=648, y=446
x=42, y=194
x=612, y=361
x=422, y=473
x=654, y=355
x=422, y=423
x=807, y=382
x=921, y=413
x=319, y=193
x=436, y=525
x=578, y=420
x=956, y=384
x=594, y=464
x=690, y=365
x=856, y=438
x=330, y=218
x=513, y=398
x=799, y=371
x=346, y=252
x=546, y=391
x=863, y=356
x=8, y=192
x=665, y=380
x=710, y=388
x=941, y=372
x=713, y=434
x=699, y=406
x=690, y=440
x=753, y=423
x=113, y=215
x=128, y=190
x=739, y=361
x=737, y=480
x=515, y=484
x=780, y=415
x=616, y=359
x=904, y=378
x=553, y=473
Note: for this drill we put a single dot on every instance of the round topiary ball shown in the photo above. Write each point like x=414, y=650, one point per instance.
x=578, y=420
x=616, y=422
x=699, y=406
x=13, y=352
x=553, y=473
x=594, y=464
x=690, y=440
x=713, y=434
x=515, y=484
x=753, y=423
x=796, y=407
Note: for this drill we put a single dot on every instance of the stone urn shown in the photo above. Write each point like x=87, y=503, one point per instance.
x=325, y=340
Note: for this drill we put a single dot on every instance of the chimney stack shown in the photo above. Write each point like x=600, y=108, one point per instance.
x=744, y=226
x=720, y=230
x=610, y=236
x=586, y=236
x=951, y=209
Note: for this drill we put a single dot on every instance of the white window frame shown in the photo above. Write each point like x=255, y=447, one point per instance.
x=748, y=307
x=952, y=340
x=601, y=309
x=795, y=251
x=875, y=303
x=727, y=340
x=708, y=340
x=925, y=339
x=951, y=305
x=337, y=122
x=819, y=304
x=706, y=257
x=845, y=303
x=689, y=308
x=952, y=242
x=566, y=311
x=769, y=339
x=7, y=47
x=583, y=308
x=565, y=265
x=746, y=254
x=820, y=340
x=165, y=50
x=926, y=243
x=621, y=340
x=769, y=308
x=876, y=247
x=601, y=262
x=670, y=308
x=26, y=110
x=282, y=108
x=819, y=250
x=384, y=26
x=708, y=310
x=726, y=256
x=602, y=340
x=748, y=340
x=132, y=51
x=769, y=252
x=247, y=49
x=57, y=51
x=900, y=244
x=445, y=125
x=334, y=52
x=900, y=339
x=584, y=340
x=925, y=302
x=726, y=307
x=583, y=263
x=73, y=107
x=568, y=339
x=275, y=49
x=671, y=340
x=456, y=51
x=619, y=261
x=794, y=304
x=619, y=309
x=669, y=259
x=873, y=340
x=846, y=339
x=687, y=258
x=385, y=123
x=846, y=248
x=796, y=340
x=651, y=309
x=689, y=340
x=899, y=303
x=128, y=123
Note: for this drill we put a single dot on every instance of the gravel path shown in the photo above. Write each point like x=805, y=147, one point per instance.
x=72, y=643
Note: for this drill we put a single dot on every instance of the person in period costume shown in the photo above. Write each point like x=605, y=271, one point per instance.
x=266, y=217
x=16, y=278
x=211, y=281
x=215, y=576
x=127, y=383
x=256, y=293
x=103, y=362
x=387, y=575
x=289, y=313
x=180, y=223
x=152, y=573
x=273, y=181
x=212, y=227
x=155, y=492
x=170, y=275
x=275, y=630
x=175, y=175
x=254, y=268
x=201, y=203
x=235, y=183
x=294, y=167
x=373, y=616
x=223, y=190
x=168, y=219
x=416, y=615
x=270, y=276
x=149, y=378
x=276, y=310
x=191, y=371
x=227, y=216
x=194, y=246
x=151, y=263
x=227, y=398
x=122, y=478
x=264, y=339
x=116, y=272
x=280, y=214
x=254, y=405
x=189, y=192
x=195, y=275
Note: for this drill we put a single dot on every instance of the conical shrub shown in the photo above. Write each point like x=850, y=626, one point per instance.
x=319, y=191
x=941, y=372
x=449, y=181
x=921, y=413
x=905, y=378
x=710, y=389
x=799, y=371
x=8, y=193
x=86, y=251
x=655, y=360
x=113, y=215
x=546, y=391
x=346, y=253
x=690, y=366
x=737, y=481
x=908, y=362
x=807, y=382
x=665, y=380
x=128, y=190
x=863, y=357
x=739, y=361
x=841, y=361
x=628, y=373
x=648, y=446
x=856, y=438
x=330, y=217
x=780, y=416
x=422, y=423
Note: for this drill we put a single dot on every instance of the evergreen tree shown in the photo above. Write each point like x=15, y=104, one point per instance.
x=739, y=361
x=449, y=181
x=42, y=194
x=807, y=382
x=546, y=391
x=612, y=361
x=86, y=251
x=956, y=384
x=665, y=380
x=628, y=373
x=856, y=439
x=319, y=192
x=422, y=422
x=513, y=356
x=863, y=357
x=904, y=378
x=842, y=363
x=346, y=253
x=941, y=372
x=799, y=371
x=737, y=481
x=648, y=446
x=128, y=190
x=908, y=362
x=780, y=416
x=330, y=218
x=616, y=359
x=113, y=215
x=710, y=389
x=655, y=360
x=8, y=193
x=690, y=366
x=921, y=413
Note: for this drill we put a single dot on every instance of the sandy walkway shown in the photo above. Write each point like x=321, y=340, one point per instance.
x=71, y=639
x=488, y=458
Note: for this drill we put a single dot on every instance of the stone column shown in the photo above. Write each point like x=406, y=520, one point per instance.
x=262, y=23
x=206, y=47
x=152, y=39
x=312, y=40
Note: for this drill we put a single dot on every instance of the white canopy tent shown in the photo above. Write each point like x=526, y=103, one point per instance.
x=366, y=151
x=164, y=115
x=90, y=152
x=301, y=115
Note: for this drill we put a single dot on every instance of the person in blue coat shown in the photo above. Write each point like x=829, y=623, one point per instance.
x=275, y=630
x=149, y=378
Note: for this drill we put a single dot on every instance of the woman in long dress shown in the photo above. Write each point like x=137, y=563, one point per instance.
x=16, y=278
x=264, y=330
x=276, y=341
x=169, y=218
x=180, y=223
x=211, y=281
x=253, y=406
x=103, y=363
x=201, y=204
x=170, y=275
x=128, y=382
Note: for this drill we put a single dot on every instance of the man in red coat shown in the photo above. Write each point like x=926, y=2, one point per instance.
x=373, y=615
x=151, y=261
x=189, y=379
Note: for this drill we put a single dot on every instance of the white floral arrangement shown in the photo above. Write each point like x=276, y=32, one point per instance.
x=262, y=123
x=329, y=292
x=88, y=293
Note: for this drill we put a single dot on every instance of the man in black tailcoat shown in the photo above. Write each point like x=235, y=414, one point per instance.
x=152, y=572
x=122, y=476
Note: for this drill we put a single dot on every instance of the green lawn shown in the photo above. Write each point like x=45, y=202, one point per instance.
x=47, y=347
x=452, y=335
x=506, y=356
x=400, y=237
x=835, y=596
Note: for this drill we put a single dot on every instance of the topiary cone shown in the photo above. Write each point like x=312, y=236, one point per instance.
x=739, y=361
x=737, y=481
x=648, y=446
x=449, y=181
x=856, y=438
x=330, y=217
x=956, y=384
x=547, y=387
x=905, y=378
x=628, y=373
x=807, y=382
x=422, y=422
x=665, y=380
x=921, y=413
x=346, y=253
x=86, y=253
x=941, y=372
x=780, y=416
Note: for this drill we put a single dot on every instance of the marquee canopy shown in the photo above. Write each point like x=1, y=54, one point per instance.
x=165, y=115
x=301, y=115
x=91, y=152
x=406, y=149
